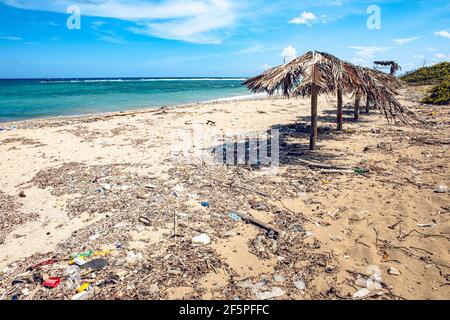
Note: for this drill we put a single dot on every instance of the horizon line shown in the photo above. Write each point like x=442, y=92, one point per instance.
x=118, y=78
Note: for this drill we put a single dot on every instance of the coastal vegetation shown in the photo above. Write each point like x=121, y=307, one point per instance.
x=439, y=94
x=431, y=75
x=437, y=75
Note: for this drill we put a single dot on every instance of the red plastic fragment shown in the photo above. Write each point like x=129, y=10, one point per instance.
x=42, y=263
x=52, y=282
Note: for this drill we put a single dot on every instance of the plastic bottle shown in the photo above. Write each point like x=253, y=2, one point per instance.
x=74, y=277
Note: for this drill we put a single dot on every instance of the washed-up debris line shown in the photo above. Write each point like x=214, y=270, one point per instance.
x=90, y=134
x=11, y=216
x=124, y=198
x=22, y=141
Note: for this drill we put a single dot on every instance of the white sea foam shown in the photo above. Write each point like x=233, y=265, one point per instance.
x=143, y=80
x=239, y=98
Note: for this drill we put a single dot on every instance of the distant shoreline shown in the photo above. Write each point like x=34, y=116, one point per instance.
x=87, y=116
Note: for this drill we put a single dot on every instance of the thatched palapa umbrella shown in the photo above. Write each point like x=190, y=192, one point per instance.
x=394, y=66
x=388, y=79
x=315, y=73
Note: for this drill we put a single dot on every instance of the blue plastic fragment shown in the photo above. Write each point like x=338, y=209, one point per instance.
x=234, y=216
x=205, y=204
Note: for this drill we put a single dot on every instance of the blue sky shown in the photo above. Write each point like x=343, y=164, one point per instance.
x=162, y=38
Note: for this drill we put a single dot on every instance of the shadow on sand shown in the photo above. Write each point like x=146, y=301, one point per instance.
x=293, y=142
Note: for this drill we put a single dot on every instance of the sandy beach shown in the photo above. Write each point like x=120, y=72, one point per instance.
x=110, y=182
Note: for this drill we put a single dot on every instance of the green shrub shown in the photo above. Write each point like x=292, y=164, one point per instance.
x=428, y=75
x=439, y=94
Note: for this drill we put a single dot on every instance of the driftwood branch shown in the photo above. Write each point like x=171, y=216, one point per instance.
x=251, y=190
x=321, y=165
x=333, y=171
x=275, y=232
x=432, y=141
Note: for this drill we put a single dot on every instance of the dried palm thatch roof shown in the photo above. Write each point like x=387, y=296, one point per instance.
x=296, y=78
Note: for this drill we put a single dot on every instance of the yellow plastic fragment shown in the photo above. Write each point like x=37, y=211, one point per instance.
x=83, y=287
x=102, y=253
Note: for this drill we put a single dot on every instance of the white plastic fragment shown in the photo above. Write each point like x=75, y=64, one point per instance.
x=80, y=296
x=441, y=189
x=202, y=239
x=394, y=272
x=361, y=282
x=85, y=295
x=79, y=261
x=361, y=293
x=266, y=295
x=94, y=237
x=300, y=284
x=427, y=225
x=309, y=234
x=133, y=258
x=279, y=278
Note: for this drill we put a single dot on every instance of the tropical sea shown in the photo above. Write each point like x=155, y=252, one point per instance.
x=26, y=99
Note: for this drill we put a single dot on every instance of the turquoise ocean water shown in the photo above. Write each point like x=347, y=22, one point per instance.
x=27, y=99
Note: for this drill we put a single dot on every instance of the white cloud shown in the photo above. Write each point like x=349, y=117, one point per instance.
x=404, y=40
x=444, y=34
x=305, y=18
x=419, y=56
x=368, y=52
x=256, y=49
x=50, y=23
x=104, y=34
x=440, y=56
x=324, y=18
x=10, y=38
x=289, y=53
x=359, y=61
x=97, y=24
x=198, y=21
x=409, y=65
x=110, y=39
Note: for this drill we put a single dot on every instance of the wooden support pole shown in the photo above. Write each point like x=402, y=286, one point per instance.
x=357, y=101
x=339, y=110
x=175, y=223
x=312, y=141
x=367, y=104
x=314, y=94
